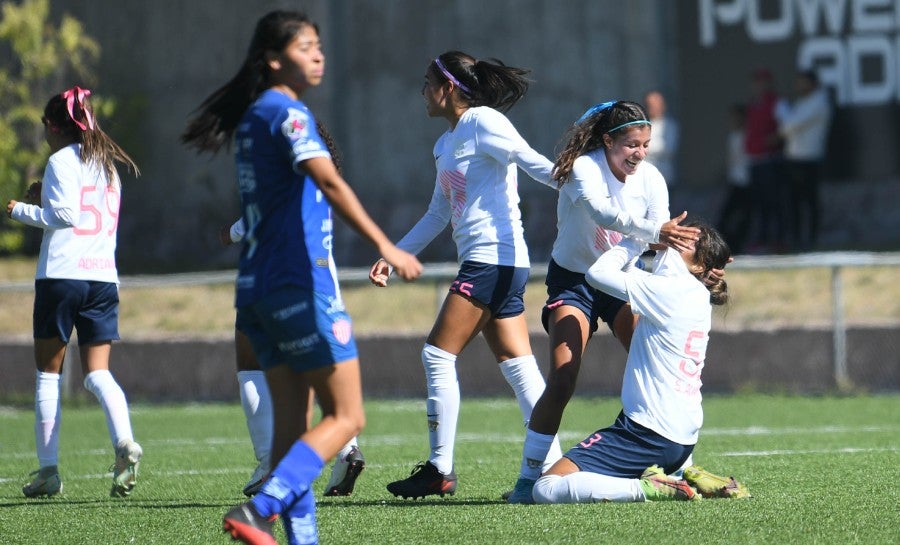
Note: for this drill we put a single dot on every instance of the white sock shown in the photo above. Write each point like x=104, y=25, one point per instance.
x=525, y=378
x=442, y=405
x=586, y=487
x=111, y=397
x=257, y=403
x=347, y=448
x=538, y=448
x=47, y=417
x=679, y=473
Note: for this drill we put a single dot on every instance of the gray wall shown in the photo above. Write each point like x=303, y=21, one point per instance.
x=162, y=58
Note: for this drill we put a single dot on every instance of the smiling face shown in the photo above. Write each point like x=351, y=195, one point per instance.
x=300, y=65
x=626, y=148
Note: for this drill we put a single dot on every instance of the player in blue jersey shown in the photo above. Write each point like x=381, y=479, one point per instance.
x=288, y=301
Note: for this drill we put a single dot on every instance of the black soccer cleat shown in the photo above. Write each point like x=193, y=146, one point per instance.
x=344, y=473
x=424, y=480
x=246, y=525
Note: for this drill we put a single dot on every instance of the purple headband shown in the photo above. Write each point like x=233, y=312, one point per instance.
x=450, y=77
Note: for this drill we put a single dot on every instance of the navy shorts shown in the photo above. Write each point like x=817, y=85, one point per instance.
x=626, y=449
x=501, y=288
x=304, y=329
x=565, y=287
x=88, y=306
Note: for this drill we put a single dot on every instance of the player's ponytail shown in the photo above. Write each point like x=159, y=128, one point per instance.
x=711, y=252
x=70, y=113
x=482, y=82
x=219, y=114
x=586, y=135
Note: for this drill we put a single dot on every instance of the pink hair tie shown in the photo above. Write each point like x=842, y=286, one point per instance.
x=78, y=94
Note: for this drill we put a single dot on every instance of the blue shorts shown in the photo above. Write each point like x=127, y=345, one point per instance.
x=626, y=449
x=88, y=306
x=565, y=287
x=501, y=288
x=298, y=327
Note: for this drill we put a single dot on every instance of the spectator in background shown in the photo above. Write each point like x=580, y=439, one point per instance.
x=736, y=215
x=664, y=144
x=762, y=143
x=804, y=126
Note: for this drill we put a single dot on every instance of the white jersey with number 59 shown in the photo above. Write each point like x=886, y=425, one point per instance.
x=79, y=213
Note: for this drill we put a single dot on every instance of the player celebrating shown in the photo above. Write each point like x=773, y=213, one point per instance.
x=658, y=427
x=76, y=285
x=288, y=300
x=606, y=191
x=476, y=192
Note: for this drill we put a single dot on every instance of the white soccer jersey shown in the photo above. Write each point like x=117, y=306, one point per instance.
x=476, y=190
x=661, y=386
x=595, y=210
x=79, y=214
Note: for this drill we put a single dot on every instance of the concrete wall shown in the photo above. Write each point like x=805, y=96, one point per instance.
x=794, y=361
x=161, y=58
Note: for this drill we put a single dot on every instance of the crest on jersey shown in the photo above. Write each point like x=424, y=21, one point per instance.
x=342, y=330
x=296, y=126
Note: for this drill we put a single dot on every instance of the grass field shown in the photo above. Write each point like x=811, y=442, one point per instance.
x=822, y=470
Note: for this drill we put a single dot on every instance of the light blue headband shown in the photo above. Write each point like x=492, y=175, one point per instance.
x=637, y=122
x=594, y=109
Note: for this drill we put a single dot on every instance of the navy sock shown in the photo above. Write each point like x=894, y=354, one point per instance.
x=289, y=481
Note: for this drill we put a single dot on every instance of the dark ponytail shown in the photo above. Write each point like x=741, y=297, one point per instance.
x=711, y=252
x=486, y=82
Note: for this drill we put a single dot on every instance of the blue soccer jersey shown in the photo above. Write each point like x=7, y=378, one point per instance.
x=288, y=221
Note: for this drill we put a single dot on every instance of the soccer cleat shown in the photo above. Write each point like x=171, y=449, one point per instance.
x=424, y=480
x=45, y=483
x=522, y=493
x=713, y=486
x=246, y=525
x=125, y=470
x=344, y=473
x=257, y=480
x=658, y=486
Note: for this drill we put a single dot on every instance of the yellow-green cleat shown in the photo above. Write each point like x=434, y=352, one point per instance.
x=713, y=486
x=658, y=486
x=125, y=470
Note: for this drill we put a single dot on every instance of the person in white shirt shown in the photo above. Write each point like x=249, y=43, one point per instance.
x=77, y=283
x=666, y=135
x=804, y=126
x=662, y=413
x=607, y=191
x=476, y=193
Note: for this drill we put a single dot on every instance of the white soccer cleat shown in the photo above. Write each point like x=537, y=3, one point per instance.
x=125, y=470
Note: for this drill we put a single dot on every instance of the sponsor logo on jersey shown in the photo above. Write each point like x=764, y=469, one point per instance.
x=301, y=345
x=292, y=310
x=321, y=262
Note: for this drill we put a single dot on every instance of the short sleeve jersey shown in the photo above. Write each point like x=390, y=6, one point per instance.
x=79, y=214
x=661, y=386
x=476, y=190
x=580, y=240
x=288, y=221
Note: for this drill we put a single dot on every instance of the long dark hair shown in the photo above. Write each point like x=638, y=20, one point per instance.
x=219, y=114
x=218, y=117
x=711, y=252
x=485, y=82
x=71, y=114
x=586, y=135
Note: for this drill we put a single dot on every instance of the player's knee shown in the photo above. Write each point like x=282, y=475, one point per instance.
x=543, y=489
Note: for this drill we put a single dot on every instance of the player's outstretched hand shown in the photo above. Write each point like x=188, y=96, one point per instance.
x=677, y=237
x=405, y=264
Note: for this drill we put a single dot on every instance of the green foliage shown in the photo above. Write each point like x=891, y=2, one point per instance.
x=821, y=470
x=44, y=58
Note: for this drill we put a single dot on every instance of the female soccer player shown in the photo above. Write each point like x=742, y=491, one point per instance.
x=476, y=192
x=607, y=191
x=288, y=301
x=658, y=427
x=76, y=285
